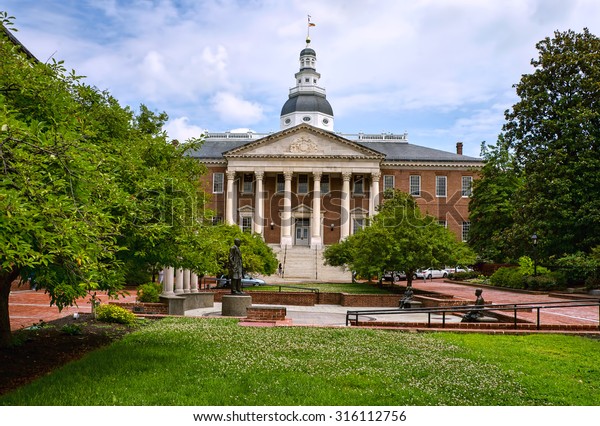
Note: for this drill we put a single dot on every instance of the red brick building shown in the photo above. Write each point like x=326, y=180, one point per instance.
x=307, y=185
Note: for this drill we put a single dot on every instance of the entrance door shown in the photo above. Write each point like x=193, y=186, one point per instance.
x=302, y=231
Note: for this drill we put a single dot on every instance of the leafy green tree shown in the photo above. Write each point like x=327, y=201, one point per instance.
x=87, y=187
x=257, y=256
x=554, y=132
x=492, y=209
x=400, y=238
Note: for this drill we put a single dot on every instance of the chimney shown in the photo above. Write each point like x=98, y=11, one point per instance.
x=459, y=148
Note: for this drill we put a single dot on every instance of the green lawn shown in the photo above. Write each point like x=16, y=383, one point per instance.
x=190, y=361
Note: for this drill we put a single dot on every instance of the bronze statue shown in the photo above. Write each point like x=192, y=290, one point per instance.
x=236, y=270
x=475, y=314
x=407, y=297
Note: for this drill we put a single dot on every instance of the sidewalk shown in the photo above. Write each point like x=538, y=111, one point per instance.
x=28, y=307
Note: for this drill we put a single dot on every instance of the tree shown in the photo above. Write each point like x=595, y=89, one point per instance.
x=554, y=132
x=492, y=208
x=399, y=238
x=54, y=227
x=86, y=186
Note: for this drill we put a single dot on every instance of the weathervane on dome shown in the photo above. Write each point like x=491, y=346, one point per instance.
x=310, y=24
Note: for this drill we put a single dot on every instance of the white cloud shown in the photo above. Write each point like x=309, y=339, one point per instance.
x=443, y=65
x=181, y=129
x=232, y=109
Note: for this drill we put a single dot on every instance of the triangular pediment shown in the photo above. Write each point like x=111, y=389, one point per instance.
x=303, y=141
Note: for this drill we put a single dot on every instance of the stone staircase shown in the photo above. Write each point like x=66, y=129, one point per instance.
x=306, y=264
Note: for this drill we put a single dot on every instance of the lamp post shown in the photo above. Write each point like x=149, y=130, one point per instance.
x=534, y=239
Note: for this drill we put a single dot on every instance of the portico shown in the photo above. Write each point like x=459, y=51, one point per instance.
x=283, y=181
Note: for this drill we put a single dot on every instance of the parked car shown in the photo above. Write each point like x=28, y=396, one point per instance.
x=430, y=273
x=458, y=268
x=247, y=281
x=393, y=276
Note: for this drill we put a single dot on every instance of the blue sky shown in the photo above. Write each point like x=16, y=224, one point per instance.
x=441, y=70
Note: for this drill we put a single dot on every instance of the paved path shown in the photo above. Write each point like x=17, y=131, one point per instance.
x=29, y=307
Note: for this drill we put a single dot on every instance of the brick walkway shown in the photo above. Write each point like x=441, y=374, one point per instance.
x=29, y=307
x=559, y=316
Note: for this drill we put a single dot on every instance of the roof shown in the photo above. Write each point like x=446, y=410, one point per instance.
x=308, y=51
x=403, y=151
x=16, y=42
x=215, y=148
x=309, y=103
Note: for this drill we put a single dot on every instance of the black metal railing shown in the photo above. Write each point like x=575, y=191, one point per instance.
x=443, y=310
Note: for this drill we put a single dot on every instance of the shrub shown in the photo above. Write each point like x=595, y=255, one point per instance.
x=71, y=329
x=508, y=277
x=463, y=276
x=149, y=293
x=114, y=313
x=546, y=282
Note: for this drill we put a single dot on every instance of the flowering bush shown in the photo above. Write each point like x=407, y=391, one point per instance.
x=114, y=313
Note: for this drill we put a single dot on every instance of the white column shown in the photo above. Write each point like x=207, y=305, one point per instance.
x=316, y=240
x=179, y=281
x=259, y=203
x=286, y=218
x=345, y=208
x=229, y=200
x=186, y=280
x=168, y=281
x=194, y=282
x=374, y=196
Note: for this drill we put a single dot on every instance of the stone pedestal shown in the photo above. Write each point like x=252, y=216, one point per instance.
x=235, y=305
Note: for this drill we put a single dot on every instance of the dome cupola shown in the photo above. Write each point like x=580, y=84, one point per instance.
x=307, y=102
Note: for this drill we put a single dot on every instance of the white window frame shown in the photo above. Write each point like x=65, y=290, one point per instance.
x=358, y=185
x=389, y=182
x=247, y=183
x=443, y=223
x=218, y=182
x=302, y=186
x=358, y=223
x=415, y=185
x=246, y=222
x=467, y=186
x=441, y=186
x=324, y=184
x=466, y=228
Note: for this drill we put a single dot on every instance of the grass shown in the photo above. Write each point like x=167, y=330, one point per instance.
x=190, y=361
x=356, y=288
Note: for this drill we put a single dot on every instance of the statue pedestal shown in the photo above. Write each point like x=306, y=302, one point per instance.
x=235, y=305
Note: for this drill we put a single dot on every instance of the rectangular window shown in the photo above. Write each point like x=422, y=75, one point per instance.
x=302, y=184
x=466, y=227
x=247, y=187
x=280, y=183
x=357, y=224
x=440, y=186
x=467, y=184
x=324, y=184
x=388, y=182
x=217, y=220
x=246, y=223
x=218, y=183
x=415, y=185
x=358, y=185
x=443, y=223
